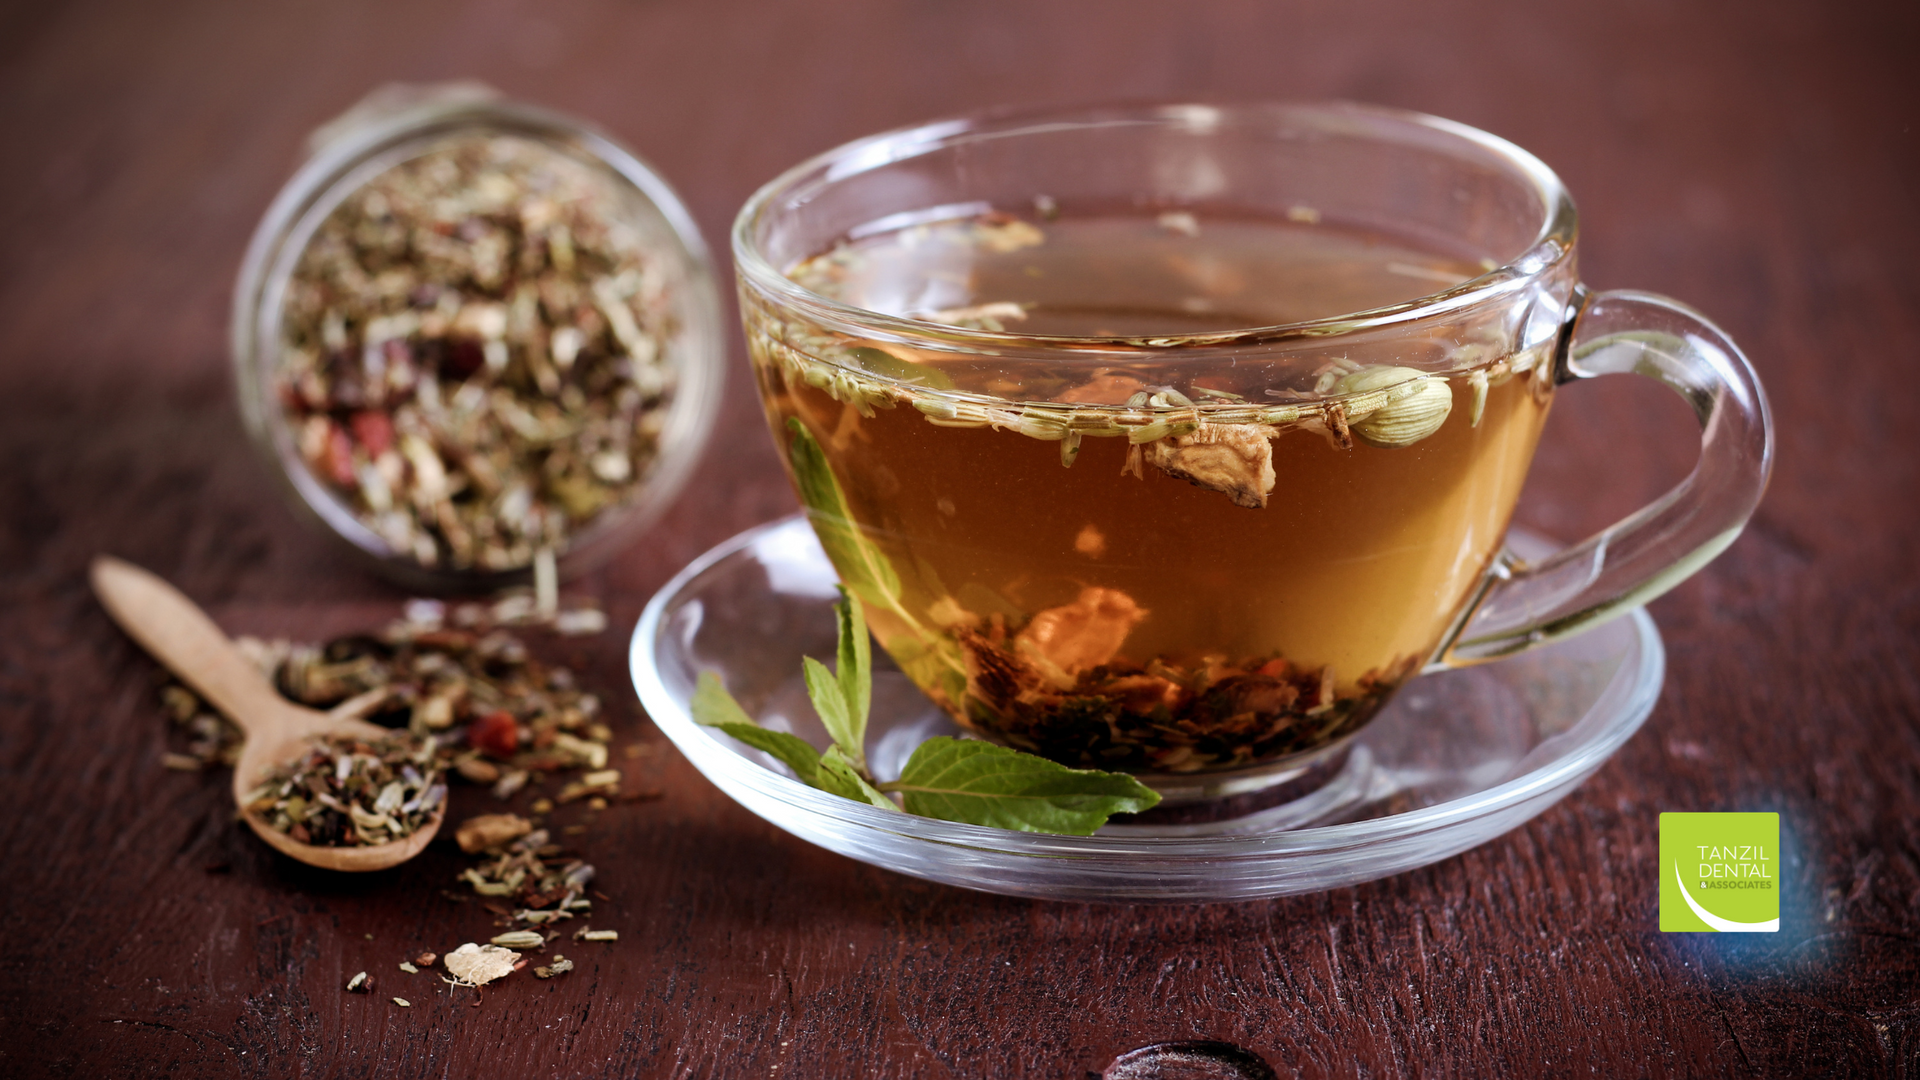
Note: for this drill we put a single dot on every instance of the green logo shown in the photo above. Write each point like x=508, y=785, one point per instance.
x=1720, y=872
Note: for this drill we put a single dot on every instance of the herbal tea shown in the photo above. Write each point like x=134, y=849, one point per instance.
x=1152, y=554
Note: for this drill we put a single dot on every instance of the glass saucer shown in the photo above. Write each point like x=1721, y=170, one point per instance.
x=1458, y=758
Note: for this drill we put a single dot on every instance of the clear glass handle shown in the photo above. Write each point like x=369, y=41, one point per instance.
x=1531, y=603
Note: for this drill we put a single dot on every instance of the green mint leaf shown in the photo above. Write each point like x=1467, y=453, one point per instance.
x=979, y=783
x=855, y=673
x=841, y=777
x=867, y=572
x=824, y=689
x=927, y=656
x=713, y=706
x=716, y=708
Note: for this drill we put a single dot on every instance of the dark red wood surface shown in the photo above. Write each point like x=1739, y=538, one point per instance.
x=1756, y=159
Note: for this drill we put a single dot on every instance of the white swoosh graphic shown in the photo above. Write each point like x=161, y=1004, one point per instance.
x=1725, y=926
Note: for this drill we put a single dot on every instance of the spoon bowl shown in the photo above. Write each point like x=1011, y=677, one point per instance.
x=181, y=636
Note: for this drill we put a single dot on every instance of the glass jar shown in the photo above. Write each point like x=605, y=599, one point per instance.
x=467, y=402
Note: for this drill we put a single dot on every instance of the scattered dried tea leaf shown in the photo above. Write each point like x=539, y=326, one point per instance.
x=510, y=783
x=403, y=1003
x=604, y=782
x=491, y=831
x=360, y=984
x=538, y=918
x=596, y=935
x=477, y=770
x=408, y=967
x=560, y=966
x=479, y=672
x=580, y=623
x=478, y=965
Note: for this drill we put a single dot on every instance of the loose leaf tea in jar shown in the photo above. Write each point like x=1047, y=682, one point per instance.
x=473, y=353
x=478, y=340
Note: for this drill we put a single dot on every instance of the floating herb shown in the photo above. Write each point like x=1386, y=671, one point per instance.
x=975, y=783
x=930, y=658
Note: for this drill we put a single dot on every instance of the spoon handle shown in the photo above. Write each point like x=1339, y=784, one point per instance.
x=180, y=635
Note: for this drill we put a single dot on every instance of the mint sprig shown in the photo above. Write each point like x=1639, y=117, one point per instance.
x=975, y=783
x=926, y=655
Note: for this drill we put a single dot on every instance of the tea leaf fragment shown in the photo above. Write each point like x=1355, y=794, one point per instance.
x=979, y=783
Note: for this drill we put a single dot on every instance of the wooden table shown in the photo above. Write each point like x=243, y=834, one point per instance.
x=1756, y=159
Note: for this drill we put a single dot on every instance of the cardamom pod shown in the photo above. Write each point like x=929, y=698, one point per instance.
x=1415, y=405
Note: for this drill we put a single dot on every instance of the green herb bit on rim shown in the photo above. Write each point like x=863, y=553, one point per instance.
x=963, y=780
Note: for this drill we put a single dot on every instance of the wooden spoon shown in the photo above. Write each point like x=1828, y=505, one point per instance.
x=180, y=635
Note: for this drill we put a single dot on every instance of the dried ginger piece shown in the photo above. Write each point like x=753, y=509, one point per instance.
x=478, y=965
x=491, y=831
x=1082, y=635
x=1236, y=459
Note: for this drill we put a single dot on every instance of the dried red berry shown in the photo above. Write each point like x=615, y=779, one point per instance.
x=496, y=733
x=339, y=455
x=374, y=430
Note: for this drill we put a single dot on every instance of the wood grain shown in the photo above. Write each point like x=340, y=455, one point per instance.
x=1754, y=159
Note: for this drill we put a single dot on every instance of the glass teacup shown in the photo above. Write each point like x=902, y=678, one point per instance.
x=1175, y=440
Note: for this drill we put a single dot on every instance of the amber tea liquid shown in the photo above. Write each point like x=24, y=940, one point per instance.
x=1174, y=560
